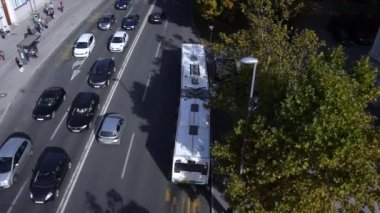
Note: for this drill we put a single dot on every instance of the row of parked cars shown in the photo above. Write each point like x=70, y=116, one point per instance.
x=53, y=163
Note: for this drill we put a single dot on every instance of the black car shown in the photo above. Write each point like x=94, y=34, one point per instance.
x=48, y=103
x=105, y=22
x=121, y=4
x=82, y=111
x=130, y=22
x=156, y=17
x=49, y=173
x=101, y=73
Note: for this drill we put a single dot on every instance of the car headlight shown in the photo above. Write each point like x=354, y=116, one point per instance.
x=48, y=196
x=31, y=195
x=5, y=182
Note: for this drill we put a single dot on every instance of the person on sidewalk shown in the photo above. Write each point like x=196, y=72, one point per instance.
x=2, y=56
x=61, y=6
x=19, y=64
x=28, y=30
x=51, y=12
x=38, y=28
x=46, y=9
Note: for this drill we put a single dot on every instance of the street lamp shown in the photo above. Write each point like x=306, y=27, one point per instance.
x=211, y=29
x=252, y=103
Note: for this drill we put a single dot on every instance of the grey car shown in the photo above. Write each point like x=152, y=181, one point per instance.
x=14, y=154
x=111, y=129
x=106, y=21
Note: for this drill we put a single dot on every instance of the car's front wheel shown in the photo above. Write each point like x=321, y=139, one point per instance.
x=15, y=179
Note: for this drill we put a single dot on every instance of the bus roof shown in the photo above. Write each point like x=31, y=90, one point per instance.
x=193, y=70
x=193, y=130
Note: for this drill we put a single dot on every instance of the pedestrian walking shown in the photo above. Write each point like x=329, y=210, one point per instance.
x=46, y=9
x=51, y=13
x=61, y=6
x=51, y=6
x=29, y=31
x=2, y=56
x=38, y=28
x=19, y=64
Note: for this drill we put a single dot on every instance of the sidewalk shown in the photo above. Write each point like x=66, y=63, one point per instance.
x=11, y=79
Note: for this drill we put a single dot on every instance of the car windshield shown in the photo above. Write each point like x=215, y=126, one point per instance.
x=81, y=45
x=105, y=20
x=81, y=110
x=107, y=134
x=44, y=178
x=117, y=40
x=47, y=101
x=5, y=164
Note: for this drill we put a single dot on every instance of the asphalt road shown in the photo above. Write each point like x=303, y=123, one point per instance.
x=131, y=177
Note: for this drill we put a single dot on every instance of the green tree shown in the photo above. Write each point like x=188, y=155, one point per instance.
x=311, y=141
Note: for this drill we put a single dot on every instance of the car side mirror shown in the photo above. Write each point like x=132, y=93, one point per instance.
x=75, y=45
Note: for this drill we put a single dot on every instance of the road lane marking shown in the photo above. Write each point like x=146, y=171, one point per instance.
x=127, y=157
x=166, y=25
x=78, y=169
x=60, y=123
x=188, y=205
x=158, y=49
x=146, y=88
x=196, y=205
x=76, y=67
x=17, y=196
x=167, y=195
x=174, y=205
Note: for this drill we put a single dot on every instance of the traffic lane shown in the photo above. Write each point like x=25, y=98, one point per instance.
x=127, y=173
x=45, y=78
x=68, y=138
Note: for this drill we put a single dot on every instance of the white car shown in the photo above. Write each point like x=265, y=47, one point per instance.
x=119, y=41
x=84, y=45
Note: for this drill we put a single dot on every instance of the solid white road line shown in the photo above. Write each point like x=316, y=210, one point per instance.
x=158, y=49
x=78, y=169
x=127, y=157
x=17, y=196
x=146, y=88
x=60, y=123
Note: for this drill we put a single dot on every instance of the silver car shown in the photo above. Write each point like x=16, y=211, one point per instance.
x=110, y=129
x=14, y=154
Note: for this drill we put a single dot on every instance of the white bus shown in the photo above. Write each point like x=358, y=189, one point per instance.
x=191, y=159
x=193, y=67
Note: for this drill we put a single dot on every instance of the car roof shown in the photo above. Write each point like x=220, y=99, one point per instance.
x=119, y=34
x=50, y=157
x=83, y=99
x=84, y=37
x=10, y=146
x=103, y=63
x=110, y=122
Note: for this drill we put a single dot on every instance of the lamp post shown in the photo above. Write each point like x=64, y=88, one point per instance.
x=253, y=100
x=211, y=27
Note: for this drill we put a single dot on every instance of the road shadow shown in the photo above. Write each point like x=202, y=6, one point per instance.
x=159, y=108
x=114, y=204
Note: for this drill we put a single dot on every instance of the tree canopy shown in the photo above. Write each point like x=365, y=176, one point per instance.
x=310, y=142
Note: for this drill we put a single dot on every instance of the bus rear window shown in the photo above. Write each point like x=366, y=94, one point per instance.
x=189, y=167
